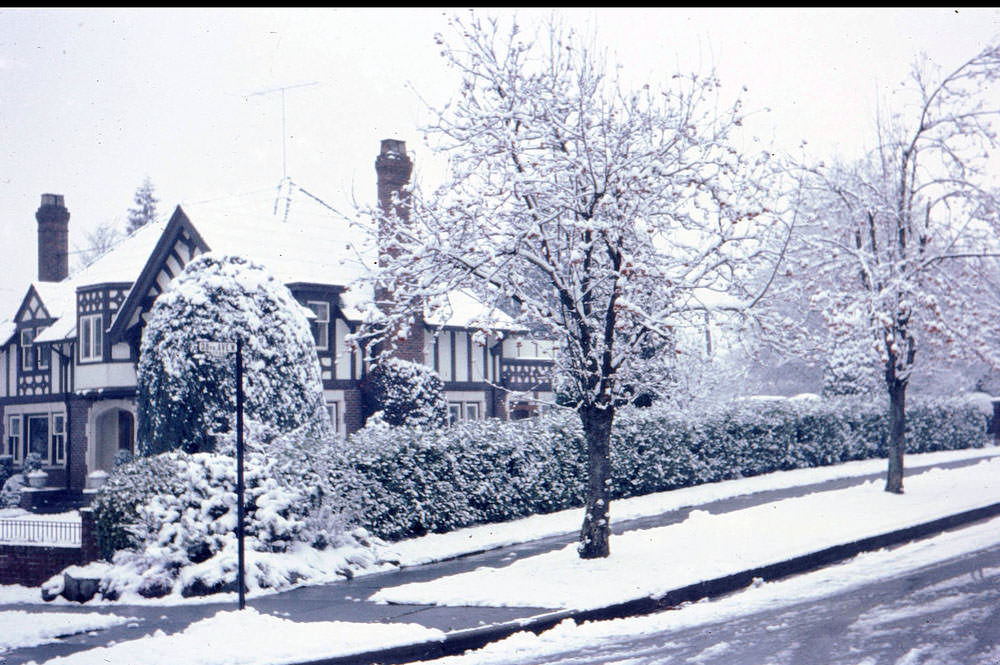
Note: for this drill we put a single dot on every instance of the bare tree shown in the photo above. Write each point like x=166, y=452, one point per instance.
x=614, y=217
x=99, y=242
x=893, y=247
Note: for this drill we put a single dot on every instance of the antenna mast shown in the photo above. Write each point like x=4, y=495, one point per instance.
x=285, y=181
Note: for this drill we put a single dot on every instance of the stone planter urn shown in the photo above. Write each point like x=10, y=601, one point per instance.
x=37, y=479
x=96, y=479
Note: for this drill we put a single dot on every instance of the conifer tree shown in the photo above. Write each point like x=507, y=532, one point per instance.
x=144, y=210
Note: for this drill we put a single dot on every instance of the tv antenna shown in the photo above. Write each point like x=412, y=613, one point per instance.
x=285, y=182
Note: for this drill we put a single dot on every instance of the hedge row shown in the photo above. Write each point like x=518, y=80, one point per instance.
x=411, y=482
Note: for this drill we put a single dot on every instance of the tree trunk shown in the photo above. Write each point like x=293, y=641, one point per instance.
x=596, y=531
x=897, y=436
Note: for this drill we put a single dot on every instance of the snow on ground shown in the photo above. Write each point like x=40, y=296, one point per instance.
x=862, y=569
x=250, y=638
x=436, y=547
x=23, y=629
x=72, y=516
x=650, y=562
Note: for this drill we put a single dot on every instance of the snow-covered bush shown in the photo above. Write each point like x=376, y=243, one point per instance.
x=403, y=393
x=186, y=397
x=10, y=493
x=414, y=482
x=129, y=487
x=169, y=520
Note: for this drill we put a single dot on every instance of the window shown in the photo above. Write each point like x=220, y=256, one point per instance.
x=91, y=338
x=320, y=323
x=59, y=437
x=38, y=435
x=27, y=349
x=333, y=408
x=464, y=411
x=14, y=437
x=42, y=353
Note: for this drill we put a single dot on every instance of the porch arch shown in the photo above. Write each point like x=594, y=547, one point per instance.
x=111, y=428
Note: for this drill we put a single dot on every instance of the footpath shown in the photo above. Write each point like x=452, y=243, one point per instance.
x=470, y=627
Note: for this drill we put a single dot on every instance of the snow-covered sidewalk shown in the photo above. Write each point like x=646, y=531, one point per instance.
x=651, y=562
x=644, y=562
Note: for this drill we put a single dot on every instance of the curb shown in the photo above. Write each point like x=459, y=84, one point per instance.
x=457, y=642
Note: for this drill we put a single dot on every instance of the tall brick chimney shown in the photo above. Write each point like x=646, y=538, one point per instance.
x=393, y=168
x=53, y=239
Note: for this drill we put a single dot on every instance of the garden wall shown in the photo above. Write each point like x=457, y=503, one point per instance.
x=32, y=565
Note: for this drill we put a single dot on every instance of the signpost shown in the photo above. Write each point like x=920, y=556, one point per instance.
x=222, y=349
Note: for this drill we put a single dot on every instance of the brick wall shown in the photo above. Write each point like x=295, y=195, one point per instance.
x=412, y=346
x=32, y=565
x=352, y=410
x=78, y=412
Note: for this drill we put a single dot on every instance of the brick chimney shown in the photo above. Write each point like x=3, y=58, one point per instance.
x=53, y=239
x=393, y=168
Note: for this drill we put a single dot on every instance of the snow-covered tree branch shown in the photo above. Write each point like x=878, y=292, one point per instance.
x=896, y=246
x=611, y=216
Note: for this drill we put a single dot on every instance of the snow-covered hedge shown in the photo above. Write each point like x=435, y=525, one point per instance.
x=414, y=482
x=169, y=520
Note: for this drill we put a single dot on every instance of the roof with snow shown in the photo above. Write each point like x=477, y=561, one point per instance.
x=120, y=265
x=313, y=252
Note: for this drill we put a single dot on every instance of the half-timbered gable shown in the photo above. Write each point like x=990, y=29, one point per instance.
x=177, y=245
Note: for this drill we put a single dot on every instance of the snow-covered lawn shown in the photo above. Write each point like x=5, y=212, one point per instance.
x=862, y=569
x=651, y=562
x=22, y=629
x=252, y=638
x=437, y=547
x=703, y=546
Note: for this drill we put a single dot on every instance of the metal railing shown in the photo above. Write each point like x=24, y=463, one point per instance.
x=40, y=532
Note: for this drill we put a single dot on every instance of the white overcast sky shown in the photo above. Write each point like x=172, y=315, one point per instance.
x=93, y=101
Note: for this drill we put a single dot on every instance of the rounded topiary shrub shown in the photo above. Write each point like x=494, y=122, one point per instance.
x=186, y=396
x=402, y=393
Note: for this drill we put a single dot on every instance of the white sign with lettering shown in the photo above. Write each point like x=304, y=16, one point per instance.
x=217, y=348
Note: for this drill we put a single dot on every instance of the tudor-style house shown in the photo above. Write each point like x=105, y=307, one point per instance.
x=68, y=355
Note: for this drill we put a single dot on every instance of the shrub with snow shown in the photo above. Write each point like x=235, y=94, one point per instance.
x=181, y=514
x=186, y=397
x=403, y=393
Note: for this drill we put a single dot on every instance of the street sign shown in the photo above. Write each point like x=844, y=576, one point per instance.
x=217, y=348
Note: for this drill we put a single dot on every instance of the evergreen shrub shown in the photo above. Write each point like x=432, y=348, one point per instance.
x=415, y=481
x=403, y=393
